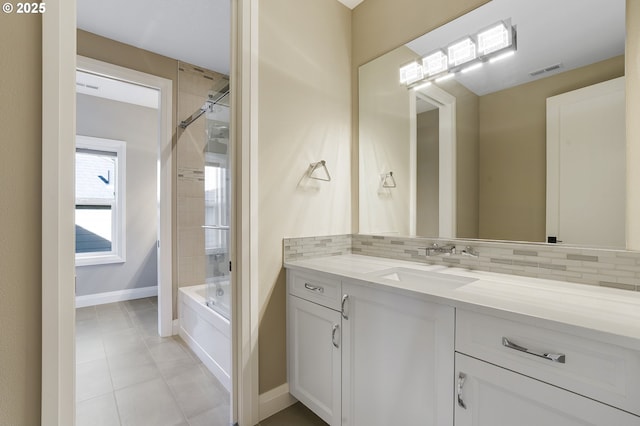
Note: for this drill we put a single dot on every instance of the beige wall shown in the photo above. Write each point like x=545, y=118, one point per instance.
x=632, y=77
x=385, y=131
x=513, y=152
x=20, y=233
x=304, y=106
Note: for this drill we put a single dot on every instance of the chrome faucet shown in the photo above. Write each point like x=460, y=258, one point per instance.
x=446, y=250
x=469, y=251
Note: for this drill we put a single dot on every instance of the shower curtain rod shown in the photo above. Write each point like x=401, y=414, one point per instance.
x=208, y=105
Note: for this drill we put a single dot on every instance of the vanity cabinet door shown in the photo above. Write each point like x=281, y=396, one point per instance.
x=397, y=359
x=487, y=395
x=314, y=357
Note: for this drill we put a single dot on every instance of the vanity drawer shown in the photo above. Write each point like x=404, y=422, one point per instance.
x=321, y=289
x=595, y=369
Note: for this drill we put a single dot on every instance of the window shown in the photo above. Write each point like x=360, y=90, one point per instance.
x=216, y=201
x=100, y=201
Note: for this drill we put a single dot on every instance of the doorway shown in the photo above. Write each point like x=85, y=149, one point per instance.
x=121, y=85
x=59, y=29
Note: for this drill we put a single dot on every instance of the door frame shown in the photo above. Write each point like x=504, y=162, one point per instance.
x=58, y=195
x=447, y=143
x=164, y=180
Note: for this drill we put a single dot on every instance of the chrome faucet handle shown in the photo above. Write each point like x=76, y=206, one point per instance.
x=433, y=248
x=448, y=250
x=469, y=251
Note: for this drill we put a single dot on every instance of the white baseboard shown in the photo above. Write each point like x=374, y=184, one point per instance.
x=176, y=327
x=115, y=296
x=275, y=400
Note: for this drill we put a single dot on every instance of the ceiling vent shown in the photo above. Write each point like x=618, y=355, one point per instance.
x=545, y=70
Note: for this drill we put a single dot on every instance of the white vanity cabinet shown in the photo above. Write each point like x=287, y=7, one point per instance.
x=510, y=372
x=397, y=359
x=314, y=343
x=488, y=395
x=368, y=350
x=367, y=356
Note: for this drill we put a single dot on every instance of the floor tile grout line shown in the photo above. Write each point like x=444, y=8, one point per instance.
x=113, y=387
x=141, y=333
x=115, y=400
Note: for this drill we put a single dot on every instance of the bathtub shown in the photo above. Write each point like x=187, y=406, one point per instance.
x=206, y=331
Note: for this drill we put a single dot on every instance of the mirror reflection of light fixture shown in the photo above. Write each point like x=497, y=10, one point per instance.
x=435, y=63
x=473, y=67
x=462, y=52
x=502, y=56
x=411, y=73
x=445, y=77
x=494, y=43
x=494, y=38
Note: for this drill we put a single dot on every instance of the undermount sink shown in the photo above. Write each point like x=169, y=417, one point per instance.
x=432, y=276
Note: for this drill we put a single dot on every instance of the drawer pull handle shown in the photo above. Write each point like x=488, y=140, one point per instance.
x=315, y=288
x=333, y=335
x=560, y=358
x=461, y=379
x=342, y=311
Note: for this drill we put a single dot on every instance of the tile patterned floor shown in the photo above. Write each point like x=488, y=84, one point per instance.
x=127, y=375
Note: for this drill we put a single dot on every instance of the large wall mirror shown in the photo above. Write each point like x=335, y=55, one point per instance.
x=522, y=147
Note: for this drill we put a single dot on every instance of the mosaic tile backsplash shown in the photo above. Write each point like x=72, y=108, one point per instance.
x=608, y=268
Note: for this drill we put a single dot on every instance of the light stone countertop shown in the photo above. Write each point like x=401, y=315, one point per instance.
x=607, y=314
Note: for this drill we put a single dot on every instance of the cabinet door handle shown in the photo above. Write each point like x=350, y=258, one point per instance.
x=560, y=358
x=461, y=379
x=333, y=335
x=315, y=288
x=342, y=311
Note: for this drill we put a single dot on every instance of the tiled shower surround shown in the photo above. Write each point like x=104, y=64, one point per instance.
x=608, y=268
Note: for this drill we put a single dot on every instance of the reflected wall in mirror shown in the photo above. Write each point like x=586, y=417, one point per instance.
x=475, y=166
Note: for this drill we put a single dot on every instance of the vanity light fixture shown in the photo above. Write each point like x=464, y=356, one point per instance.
x=435, y=63
x=494, y=43
x=462, y=52
x=494, y=38
x=411, y=73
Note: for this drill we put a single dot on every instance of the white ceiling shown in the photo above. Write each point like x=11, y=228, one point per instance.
x=193, y=31
x=573, y=33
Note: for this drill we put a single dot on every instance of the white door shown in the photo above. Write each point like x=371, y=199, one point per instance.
x=314, y=357
x=586, y=168
x=488, y=395
x=397, y=360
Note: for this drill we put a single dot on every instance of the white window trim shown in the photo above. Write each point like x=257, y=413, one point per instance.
x=119, y=225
